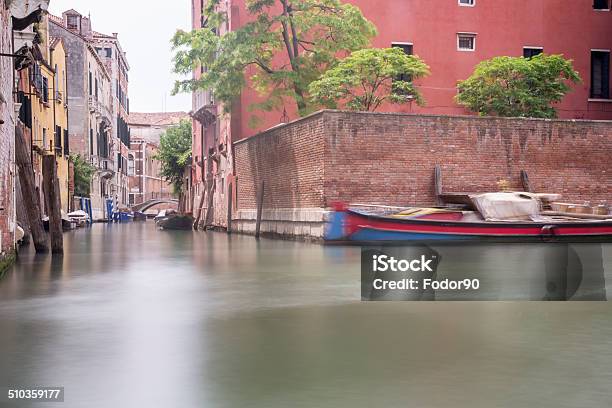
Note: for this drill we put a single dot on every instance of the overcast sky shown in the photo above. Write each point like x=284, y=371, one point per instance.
x=145, y=29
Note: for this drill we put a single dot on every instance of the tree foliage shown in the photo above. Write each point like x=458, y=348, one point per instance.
x=83, y=172
x=367, y=78
x=284, y=46
x=517, y=86
x=174, y=154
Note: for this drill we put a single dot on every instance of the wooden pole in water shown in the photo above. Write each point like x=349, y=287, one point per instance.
x=196, y=223
x=525, y=181
x=229, y=207
x=28, y=192
x=260, y=198
x=52, y=200
x=438, y=184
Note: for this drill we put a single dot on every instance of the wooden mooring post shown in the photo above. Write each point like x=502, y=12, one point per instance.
x=52, y=199
x=438, y=184
x=28, y=192
x=525, y=181
x=260, y=198
x=230, y=203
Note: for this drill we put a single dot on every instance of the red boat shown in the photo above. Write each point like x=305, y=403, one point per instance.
x=365, y=224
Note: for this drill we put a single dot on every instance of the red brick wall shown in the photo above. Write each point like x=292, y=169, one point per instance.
x=290, y=161
x=389, y=158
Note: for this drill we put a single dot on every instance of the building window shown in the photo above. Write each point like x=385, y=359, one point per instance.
x=45, y=89
x=130, y=164
x=72, y=22
x=530, y=52
x=600, y=74
x=66, y=143
x=58, y=140
x=468, y=3
x=408, y=49
x=466, y=42
x=601, y=5
x=91, y=142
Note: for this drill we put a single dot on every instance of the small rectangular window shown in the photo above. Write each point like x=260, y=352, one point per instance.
x=530, y=52
x=601, y=4
x=600, y=74
x=466, y=42
x=72, y=22
x=408, y=49
x=58, y=139
x=91, y=142
x=45, y=89
x=66, y=143
x=469, y=3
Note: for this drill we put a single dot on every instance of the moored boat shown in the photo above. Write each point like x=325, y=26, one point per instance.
x=176, y=222
x=365, y=224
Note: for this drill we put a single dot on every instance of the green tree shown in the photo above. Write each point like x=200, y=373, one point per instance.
x=367, y=78
x=284, y=46
x=83, y=171
x=517, y=86
x=174, y=154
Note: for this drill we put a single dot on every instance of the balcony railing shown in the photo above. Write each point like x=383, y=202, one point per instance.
x=94, y=107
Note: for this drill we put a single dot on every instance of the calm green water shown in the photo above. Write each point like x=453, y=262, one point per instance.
x=135, y=317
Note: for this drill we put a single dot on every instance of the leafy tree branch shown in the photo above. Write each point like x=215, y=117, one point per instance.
x=517, y=86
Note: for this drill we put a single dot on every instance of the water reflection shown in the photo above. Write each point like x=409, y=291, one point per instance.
x=135, y=317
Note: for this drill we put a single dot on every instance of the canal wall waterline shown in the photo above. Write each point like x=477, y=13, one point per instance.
x=307, y=224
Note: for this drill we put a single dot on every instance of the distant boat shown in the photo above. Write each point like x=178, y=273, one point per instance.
x=365, y=224
x=79, y=217
x=139, y=216
x=176, y=222
x=67, y=223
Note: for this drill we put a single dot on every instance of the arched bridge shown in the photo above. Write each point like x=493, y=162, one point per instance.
x=153, y=202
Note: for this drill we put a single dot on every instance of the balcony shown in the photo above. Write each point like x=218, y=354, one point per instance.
x=94, y=106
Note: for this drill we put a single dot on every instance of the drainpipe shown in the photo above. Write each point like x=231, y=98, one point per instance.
x=53, y=101
x=70, y=199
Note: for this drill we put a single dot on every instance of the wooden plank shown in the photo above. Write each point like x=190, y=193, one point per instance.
x=210, y=192
x=577, y=215
x=525, y=181
x=196, y=223
x=438, y=184
x=260, y=199
x=28, y=193
x=53, y=204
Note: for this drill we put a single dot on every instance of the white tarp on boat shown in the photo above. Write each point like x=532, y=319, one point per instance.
x=507, y=206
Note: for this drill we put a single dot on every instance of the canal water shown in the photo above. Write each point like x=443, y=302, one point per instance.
x=135, y=317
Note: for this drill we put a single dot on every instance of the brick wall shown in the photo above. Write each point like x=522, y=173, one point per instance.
x=289, y=159
x=389, y=158
x=7, y=135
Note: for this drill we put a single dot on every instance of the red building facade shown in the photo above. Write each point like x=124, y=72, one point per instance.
x=452, y=37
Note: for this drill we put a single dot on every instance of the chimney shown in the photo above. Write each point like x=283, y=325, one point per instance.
x=115, y=35
x=86, y=27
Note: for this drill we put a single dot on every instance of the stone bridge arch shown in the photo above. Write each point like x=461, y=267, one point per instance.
x=153, y=202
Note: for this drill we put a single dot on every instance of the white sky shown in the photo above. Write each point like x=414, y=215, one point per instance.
x=145, y=29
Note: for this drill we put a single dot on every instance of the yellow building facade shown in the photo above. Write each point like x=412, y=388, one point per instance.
x=47, y=86
x=60, y=114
